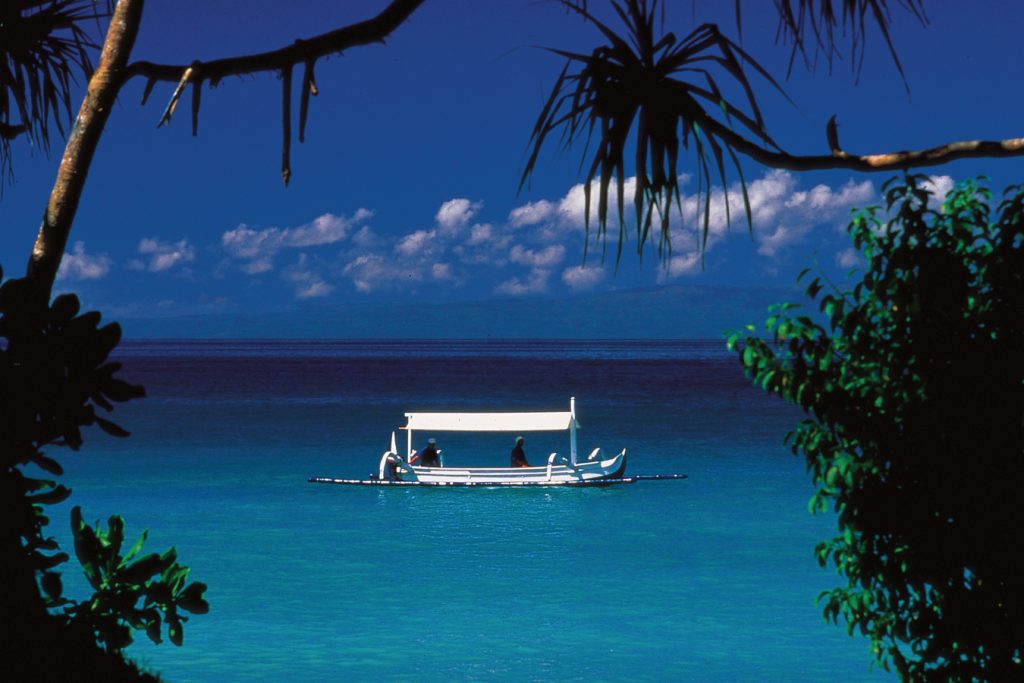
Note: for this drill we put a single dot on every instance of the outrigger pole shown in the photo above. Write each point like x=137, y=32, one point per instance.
x=572, y=430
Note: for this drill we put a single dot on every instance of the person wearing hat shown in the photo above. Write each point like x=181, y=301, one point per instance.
x=428, y=455
x=518, y=455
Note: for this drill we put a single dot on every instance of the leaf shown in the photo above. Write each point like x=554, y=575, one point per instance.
x=48, y=464
x=111, y=428
x=87, y=547
x=135, y=548
x=120, y=391
x=175, y=631
x=115, y=536
x=42, y=562
x=56, y=495
x=192, y=598
x=141, y=570
x=153, y=630
x=64, y=308
x=51, y=583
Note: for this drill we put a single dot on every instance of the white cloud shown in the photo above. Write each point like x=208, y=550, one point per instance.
x=480, y=234
x=771, y=242
x=79, y=265
x=532, y=213
x=580, y=278
x=165, y=255
x=781, y=213
x=303, y=276
x=442, y=271
x=314, y=289
x=542, y=258
x=572, y=207
x=683, y=264
x=455, y=214
x=370, y=272
x=366, y=238
x=415, y=242
x=245, y=243
x=939, y=186
x=535, y=283
x=257, y=267
x=848, y=258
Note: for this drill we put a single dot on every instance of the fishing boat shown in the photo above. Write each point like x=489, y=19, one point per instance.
x=557, y=470
x=595, y=470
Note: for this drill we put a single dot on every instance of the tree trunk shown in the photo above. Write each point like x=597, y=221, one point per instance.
x=85, y=136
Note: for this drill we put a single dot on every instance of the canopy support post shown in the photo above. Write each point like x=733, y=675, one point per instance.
x=572, y=430
x=408, y=452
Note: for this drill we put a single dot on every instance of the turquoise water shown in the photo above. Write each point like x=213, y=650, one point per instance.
x=707, y=579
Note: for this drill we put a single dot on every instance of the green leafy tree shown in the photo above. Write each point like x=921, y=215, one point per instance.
x=56, y=379
x=914, y=388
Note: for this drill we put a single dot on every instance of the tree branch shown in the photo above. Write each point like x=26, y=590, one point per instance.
x=373, y=30
x=887, y=161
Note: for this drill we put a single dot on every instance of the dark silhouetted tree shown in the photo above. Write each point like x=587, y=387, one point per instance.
x=914, y=389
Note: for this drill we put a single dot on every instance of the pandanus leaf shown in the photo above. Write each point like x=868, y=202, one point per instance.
x=670, y=89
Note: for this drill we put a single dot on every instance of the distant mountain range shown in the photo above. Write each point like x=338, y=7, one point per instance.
x=666, y=312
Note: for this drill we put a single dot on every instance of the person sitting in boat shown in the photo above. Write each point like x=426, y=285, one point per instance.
x=428, y=455
x=518, y=455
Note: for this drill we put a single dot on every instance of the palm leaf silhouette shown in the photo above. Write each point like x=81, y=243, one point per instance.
x=662, y=90
x=43, y=48
x=810, y=26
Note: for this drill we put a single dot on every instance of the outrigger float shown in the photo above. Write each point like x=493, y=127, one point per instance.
x=594, y=470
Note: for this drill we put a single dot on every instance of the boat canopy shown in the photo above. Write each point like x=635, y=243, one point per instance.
x=490, y=422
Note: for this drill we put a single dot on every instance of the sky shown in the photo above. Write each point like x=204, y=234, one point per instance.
x=405, y=190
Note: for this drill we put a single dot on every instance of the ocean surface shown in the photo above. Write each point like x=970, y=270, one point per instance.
x=710, y=578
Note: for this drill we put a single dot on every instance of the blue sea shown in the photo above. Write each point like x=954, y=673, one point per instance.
x=710, y=578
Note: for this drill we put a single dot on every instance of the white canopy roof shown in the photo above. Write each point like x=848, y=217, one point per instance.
x=489, y=422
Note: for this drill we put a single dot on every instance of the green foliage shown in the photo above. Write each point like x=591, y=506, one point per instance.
x=54, y=375
x=914, y=389
x=131, y=592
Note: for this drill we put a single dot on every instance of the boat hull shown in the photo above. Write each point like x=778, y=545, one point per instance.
x=552, y=473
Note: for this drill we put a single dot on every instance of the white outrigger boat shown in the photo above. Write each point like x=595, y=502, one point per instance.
x=594, y=470
x=396, y=470
x=557, y=470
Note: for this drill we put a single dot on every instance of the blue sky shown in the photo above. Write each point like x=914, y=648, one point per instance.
x=405, y=189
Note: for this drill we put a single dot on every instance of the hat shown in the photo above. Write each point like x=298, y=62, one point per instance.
x=431, y=442
x=519, y=439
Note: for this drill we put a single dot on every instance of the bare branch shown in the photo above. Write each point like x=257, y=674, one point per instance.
x=373, y=30
x=282, y=60
x=885, y=161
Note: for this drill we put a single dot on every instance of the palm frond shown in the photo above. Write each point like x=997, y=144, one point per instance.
x=660, y=91
x=44, y=47
x=810, y=28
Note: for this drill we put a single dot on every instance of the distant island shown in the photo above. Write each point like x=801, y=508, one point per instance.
x=661, y=312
